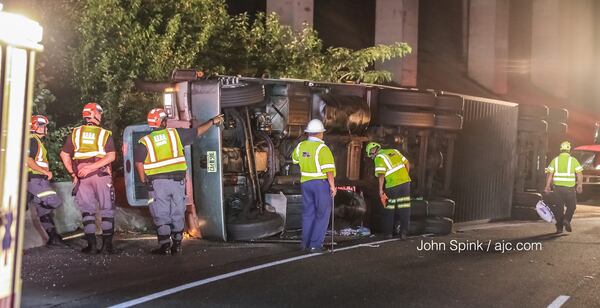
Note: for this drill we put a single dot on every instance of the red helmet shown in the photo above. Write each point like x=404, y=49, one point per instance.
x=38, y=121
x=156, y=117
x=92, y=110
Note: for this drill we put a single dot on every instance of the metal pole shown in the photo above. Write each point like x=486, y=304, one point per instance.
x=332, y=221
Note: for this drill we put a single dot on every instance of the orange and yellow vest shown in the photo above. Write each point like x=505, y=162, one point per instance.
x=41, y=157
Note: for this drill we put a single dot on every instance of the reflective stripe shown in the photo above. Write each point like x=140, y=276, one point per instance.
x=101, y=141
x=569, y=166
x=42, y=164
x=327, y=166
x=319, y=170
x=77, y=136
x=311, y=174
x=173, y=143
x=150, y=146
x=394, y=169
x=88, y=154
x=578, y=169
x=380, y=169
x=164, y=163
x=150, y=201
x=386, y=161
x=559, y=179
x=46, y=193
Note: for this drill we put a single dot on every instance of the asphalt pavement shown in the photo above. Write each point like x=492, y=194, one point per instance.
x=522, y=264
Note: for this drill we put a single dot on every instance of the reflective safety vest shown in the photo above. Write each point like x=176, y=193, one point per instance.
x=41, y=157
x=315, y=160
x=564, y=168
x=393, y=165
x=165, y=152
x=89, y=141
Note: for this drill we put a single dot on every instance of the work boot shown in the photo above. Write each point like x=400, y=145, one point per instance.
x=559, y=230
x=176, y=248
x=568, y=226
x=54, y=239
x=91, y=244
x=107, y=244
x=164, y=249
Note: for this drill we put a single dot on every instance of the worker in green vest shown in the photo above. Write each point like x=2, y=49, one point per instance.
x=160, y=163
x=317, y=184
x=564, y=172
x=41, y=194
x=391, y=169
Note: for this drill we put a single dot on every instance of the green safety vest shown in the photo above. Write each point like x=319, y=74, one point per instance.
x=165, y=152
x=315, y=160
x=89, y=141
x=41, y=157
x=564, y=167
x=393, y=164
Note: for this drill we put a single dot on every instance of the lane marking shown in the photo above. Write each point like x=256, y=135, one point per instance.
x=559, y=301
x=198, y=283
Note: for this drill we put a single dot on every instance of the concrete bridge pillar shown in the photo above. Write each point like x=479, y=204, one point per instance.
x=292, y=12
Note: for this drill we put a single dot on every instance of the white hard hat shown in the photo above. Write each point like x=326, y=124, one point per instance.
x=315, y=126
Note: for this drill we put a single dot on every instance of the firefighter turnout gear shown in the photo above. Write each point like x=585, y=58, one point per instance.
x=315, y=160
x=564, y=171
x=393, y=166
x=165, y=168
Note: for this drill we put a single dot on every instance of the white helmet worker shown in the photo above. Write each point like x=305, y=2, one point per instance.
x=315, y=126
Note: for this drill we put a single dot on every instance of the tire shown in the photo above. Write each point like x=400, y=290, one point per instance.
x=406, y=98
x=416, y=227
x=525, y=199
x=524, y=213
x=533, y=111
x=244, y=95
x=448, y=122
x=438, y=225
x=419, y=208
x=558, y=115
x=450, y=103
x=441, y=208
x=410, y=119
x=532, y=125
x=267, y=224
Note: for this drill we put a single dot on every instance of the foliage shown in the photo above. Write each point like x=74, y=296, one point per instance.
x=54, y=142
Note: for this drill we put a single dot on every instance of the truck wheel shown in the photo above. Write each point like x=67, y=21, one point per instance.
x=532, y=125
x=533, y=111
x=524, y=213
x=448, y=122
x=411, y=119
x=406, y=98
x=438, y=225
x=416, y=227
x=243, y=94
x=558, y=115
x=441, y=208
x=450, y=103
x=526, y=199
x=419, y=208
x=262, y=226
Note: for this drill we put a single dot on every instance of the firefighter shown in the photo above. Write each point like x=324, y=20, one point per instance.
x=87, y=155
x=40, y=193
x=391, y=168
x=317, y=184
x=160, y=163
x=565, y=173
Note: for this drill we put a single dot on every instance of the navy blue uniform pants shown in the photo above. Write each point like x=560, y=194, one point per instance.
x=316, y=208
x=397, y=213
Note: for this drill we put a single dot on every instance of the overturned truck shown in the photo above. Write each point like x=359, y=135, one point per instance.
x=241, y=179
